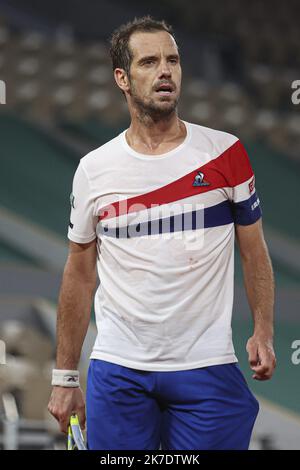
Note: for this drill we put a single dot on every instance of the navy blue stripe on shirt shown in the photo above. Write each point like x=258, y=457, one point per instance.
x=248, y=211
x=214, y=216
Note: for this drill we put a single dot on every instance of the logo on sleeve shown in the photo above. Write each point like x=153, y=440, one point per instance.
x=199, y=180
x=255, y=204
x=251, y=185
x=72, y=200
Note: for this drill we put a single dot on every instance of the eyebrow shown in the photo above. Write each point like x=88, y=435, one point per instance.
x=153, y=57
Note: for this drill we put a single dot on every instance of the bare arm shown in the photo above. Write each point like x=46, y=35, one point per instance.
x=259, y=285
x=74, y=304
x=73, y=316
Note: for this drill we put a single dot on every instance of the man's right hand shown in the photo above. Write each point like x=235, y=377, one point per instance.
x=64, y=402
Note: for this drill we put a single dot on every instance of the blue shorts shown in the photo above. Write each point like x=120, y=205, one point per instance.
x=208, y=408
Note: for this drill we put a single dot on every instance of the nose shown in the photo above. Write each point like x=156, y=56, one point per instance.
x=165, y=70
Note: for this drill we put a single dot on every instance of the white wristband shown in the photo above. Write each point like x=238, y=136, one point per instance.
x=65, y=378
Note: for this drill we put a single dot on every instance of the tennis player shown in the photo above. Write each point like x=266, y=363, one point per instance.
x=157, y=210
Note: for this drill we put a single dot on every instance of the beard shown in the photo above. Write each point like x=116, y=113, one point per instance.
x=152, y=109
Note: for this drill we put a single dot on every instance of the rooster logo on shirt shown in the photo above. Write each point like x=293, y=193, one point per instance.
x=199, y=180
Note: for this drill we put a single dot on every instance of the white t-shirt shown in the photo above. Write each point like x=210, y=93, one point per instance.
x=165, y=237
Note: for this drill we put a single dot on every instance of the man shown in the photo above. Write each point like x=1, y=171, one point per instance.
x=158, y=208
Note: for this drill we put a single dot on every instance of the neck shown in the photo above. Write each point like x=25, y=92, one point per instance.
x=151, y=131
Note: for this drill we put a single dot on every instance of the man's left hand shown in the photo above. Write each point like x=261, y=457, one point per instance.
x=262, y=358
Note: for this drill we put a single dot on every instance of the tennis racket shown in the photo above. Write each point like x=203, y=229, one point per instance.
x=75, y=437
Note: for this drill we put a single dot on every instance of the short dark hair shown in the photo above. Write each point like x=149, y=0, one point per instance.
x=120, y=52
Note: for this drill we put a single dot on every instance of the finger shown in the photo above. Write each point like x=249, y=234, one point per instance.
x=265, y=355
x=253, y=355
x=53, y=412
x=266, y=362
x=64, y=424
x=63, y=418
x=261, y=377
x=81, y=417
x=264, y=371
x=261, y=368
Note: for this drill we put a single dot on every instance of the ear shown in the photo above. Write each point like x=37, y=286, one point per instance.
x=121, y=79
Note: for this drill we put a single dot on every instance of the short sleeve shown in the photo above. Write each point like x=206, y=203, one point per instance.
x=82, y=226
x=246, y=206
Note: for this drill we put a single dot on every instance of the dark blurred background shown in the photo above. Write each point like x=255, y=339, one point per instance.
x=239, y=61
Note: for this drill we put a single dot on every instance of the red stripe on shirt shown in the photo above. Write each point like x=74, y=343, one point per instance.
x=229, y=169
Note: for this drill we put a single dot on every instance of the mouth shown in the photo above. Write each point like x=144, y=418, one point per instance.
x=164, y=90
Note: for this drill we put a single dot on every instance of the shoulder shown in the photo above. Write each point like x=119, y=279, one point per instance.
x=212, y=141
x=101, y=155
